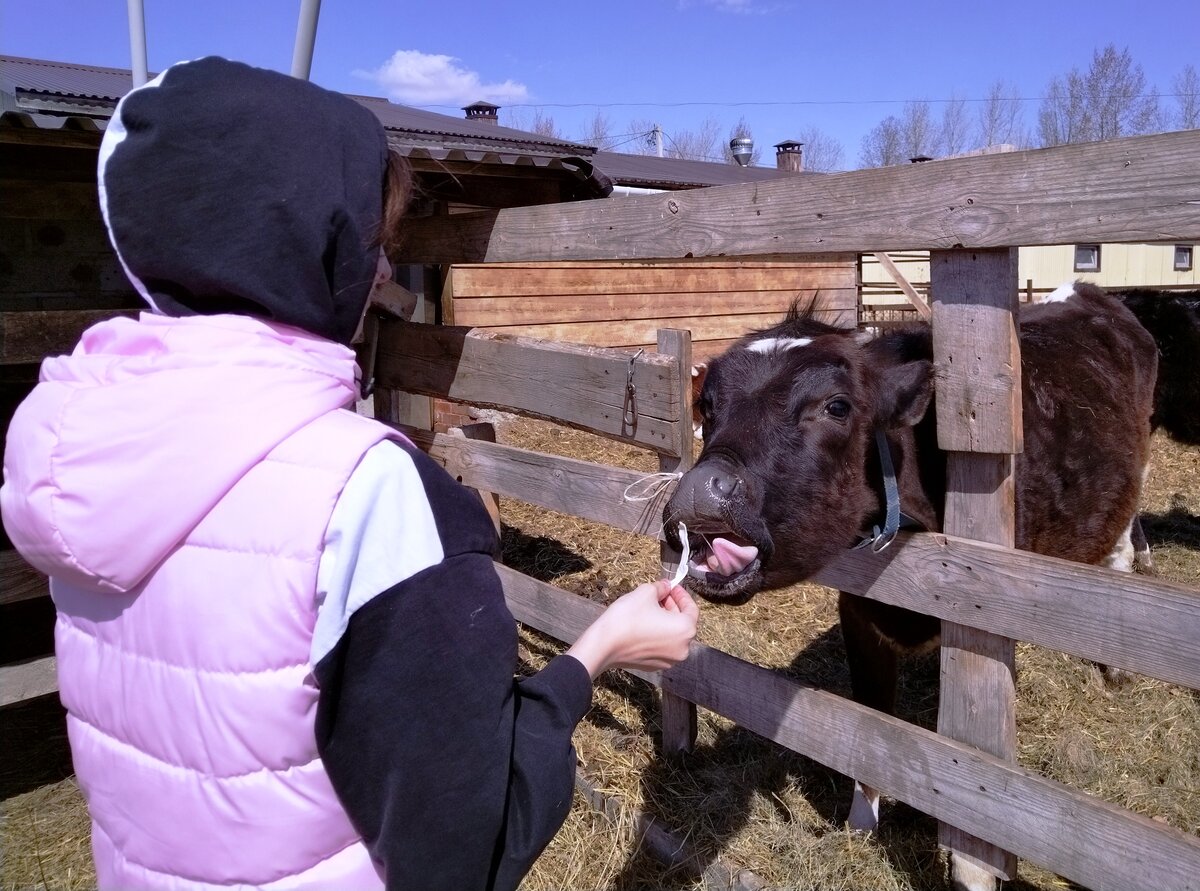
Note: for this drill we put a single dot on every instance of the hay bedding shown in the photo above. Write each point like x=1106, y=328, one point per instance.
x=738, y=800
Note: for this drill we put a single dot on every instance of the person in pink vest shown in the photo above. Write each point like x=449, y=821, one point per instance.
x=282, y=643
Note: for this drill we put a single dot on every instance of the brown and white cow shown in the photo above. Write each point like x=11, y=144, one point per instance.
x=790, y=472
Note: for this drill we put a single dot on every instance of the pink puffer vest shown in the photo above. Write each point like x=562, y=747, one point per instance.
x=190, y=698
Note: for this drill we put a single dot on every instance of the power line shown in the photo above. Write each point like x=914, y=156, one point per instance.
x=791, y=102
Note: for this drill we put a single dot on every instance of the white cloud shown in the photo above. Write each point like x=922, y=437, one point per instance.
x=736, y=7
x=417, y=78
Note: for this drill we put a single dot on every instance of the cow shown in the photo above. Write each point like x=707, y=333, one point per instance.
x=1173, y=320
x=798, y=420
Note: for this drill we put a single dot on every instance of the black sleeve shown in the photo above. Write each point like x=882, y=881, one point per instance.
x=456, y=774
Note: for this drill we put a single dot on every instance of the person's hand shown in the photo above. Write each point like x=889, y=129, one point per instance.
x=650, y=628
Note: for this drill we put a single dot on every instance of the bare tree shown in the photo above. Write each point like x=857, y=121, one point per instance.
x=1000, y=120
x=918, y=134
x=1186, y=86
x=701, y=144
x=954, y=134
x=536, y=121
x=1109, y=100
x=598, y=132
x=822, y=153
x=740, y=129
x=896, y=139
x=884, y=145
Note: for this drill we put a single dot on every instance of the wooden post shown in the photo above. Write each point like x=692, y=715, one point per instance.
x=678, y=715
x=396, y=406
x=978, y=362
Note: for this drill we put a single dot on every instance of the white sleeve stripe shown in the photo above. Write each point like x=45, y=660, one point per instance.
x=382, y=531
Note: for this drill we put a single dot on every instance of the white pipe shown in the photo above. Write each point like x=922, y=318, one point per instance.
x=137, y=42
x=633, y=191
x=306, y=38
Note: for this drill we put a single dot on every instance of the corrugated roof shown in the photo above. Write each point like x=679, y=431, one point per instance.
x=649, y=171
x=32, y=79
x=52, y=94
x=64, y=79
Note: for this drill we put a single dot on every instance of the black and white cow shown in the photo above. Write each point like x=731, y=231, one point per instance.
x=790, y=476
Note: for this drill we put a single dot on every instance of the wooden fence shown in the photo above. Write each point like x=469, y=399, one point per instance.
x=624, y=303
x=971, y=213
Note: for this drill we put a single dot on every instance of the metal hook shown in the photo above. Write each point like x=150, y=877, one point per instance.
x=629, y=415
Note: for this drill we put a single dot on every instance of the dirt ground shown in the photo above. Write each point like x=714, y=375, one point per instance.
x=748, y=813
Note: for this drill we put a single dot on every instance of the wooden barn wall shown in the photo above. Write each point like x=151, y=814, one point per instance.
x=624, y=303
x=54, y=250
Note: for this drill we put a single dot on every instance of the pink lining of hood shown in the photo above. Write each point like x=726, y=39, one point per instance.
x=132, y=439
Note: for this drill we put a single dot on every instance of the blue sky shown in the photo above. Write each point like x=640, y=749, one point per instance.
x=782, y=66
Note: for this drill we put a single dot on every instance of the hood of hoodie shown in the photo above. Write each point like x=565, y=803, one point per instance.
x=128, y=443
x=233, y=189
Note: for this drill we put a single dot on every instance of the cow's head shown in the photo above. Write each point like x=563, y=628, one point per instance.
x=782, y=486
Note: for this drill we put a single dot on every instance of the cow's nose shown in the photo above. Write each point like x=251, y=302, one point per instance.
x=722, y=483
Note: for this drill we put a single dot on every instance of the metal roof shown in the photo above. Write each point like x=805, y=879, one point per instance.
x=63, y=95
x=649, y=171
x=37, y=79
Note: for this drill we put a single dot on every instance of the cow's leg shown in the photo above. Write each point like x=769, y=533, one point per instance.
x=966, y=875
x=872, y=661
x=1122, y=560
x=1142, y=561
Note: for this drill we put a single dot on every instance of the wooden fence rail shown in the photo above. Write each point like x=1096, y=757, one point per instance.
x=973, y=211
x=1078, y=836
x=1133, y=622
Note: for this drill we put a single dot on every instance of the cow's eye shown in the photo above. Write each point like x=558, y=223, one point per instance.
x=837, y=408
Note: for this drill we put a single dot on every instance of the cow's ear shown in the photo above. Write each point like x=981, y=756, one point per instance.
x=904, y=393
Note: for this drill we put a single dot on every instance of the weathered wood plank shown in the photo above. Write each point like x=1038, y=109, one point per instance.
x=48, y=200
x=643, y=331
x=26, y=680
x=32, y=336
x=1145, y=625
x=1080, y=837
x=975, y=348
x=1142, y=188
x=581, y=489
x=679, y=720
x=485, y=312
x=19, y=580
x=589, y=383
x=917, y=302
x=526, y=280
x=978, y=360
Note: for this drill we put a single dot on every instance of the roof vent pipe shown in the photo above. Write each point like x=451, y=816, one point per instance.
x=306, y=38
x=742, y=149
x=137, y=42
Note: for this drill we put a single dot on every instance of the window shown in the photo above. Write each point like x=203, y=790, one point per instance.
x=1183, y=257
x=1087, y=258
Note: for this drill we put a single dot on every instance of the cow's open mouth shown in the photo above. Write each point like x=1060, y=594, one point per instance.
x=724, y=568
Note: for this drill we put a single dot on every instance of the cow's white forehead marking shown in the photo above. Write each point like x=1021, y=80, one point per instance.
x=1059, y=294
x=778, y=344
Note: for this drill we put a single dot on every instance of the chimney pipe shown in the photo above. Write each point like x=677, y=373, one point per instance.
x=483, y=111
x=789, y=155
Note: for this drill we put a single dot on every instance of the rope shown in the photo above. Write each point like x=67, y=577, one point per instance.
x=649, y=487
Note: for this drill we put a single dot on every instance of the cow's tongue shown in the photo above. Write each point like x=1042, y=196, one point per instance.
x=727, y=558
